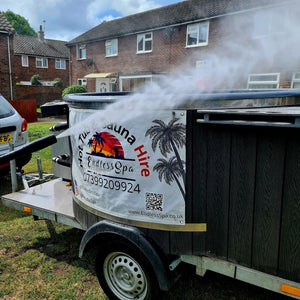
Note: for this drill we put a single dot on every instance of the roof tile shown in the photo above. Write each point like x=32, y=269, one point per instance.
x=5, y=25
x=29, y=45
x=185, y=11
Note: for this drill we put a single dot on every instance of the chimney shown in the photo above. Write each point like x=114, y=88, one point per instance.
x=41, y=35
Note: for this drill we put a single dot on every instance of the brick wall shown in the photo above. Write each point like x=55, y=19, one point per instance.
x=48, y=74
x=41, y=94
x=169, y=52
x=4, y=66
x=231, y=39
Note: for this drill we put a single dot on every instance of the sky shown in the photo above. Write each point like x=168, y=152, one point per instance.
x=67, y=19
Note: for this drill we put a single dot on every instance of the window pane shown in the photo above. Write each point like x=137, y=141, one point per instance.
x=296, y=85
x=140, y=43
x=148, y=45
x=203, y=28
x=192, y=28
x=192, y=39
x=264, y=77
x=45, y=62
x=262, y=86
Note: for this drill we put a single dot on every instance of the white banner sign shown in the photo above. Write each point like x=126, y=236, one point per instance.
x=133, y=169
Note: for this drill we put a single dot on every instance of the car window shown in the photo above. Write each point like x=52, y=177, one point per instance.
x=5, y=109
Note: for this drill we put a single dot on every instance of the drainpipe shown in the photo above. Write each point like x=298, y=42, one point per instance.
x=9, y=68
x=70, y=66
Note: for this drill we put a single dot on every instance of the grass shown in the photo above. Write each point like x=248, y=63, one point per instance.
x=36, y=131
x=34, y=264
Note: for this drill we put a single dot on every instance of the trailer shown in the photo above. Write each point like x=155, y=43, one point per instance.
x=212, y=180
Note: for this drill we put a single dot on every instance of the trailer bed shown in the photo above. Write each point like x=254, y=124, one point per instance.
x=51, y=200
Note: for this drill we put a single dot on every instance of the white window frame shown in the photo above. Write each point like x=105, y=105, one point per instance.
x=111, y=47
x=60, y=64
x=24, y=60
x=263, y=83
x=145, y=39
x=82, y=81
x=43, y=61
x=296, y=80
x=195, y=29
x=81, y=51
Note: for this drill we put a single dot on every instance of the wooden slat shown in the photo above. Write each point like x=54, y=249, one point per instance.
x=242, y=181
x=289, y=260
x=268, y=195
x=199, y=184
x=218, y=191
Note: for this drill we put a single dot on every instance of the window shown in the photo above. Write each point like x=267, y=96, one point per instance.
x=266, y=23
x=263, y=81
x=60, y=63
x=81, y=81
x=24, y=61
x=41, y=62
x=197, y=34
x=296, y=81
x=144, y=42
x=111, y=47
x=81, y=52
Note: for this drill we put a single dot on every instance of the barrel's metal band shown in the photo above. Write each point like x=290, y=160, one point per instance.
x=190, y=227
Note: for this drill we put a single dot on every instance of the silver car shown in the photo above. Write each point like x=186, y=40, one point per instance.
x=13, y=129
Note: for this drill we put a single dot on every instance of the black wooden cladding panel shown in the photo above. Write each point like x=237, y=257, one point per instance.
x=250, y=193
x=242, y=181
x=268, y=195
x=289, y=259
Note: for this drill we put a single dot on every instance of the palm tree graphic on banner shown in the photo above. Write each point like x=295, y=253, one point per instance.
x=169, y=138
x=98, y=140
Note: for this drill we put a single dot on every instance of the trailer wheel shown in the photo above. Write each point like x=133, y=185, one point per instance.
x=125, y=273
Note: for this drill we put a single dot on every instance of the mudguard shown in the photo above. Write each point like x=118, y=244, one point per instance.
x=105, y=228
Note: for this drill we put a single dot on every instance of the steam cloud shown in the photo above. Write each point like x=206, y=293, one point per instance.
x=261, y=41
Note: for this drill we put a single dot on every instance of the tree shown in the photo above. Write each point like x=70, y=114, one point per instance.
x=19, y=23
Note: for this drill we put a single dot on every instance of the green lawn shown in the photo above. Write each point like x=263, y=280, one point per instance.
x=36, y=131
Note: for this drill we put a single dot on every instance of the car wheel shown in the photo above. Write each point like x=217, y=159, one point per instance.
x=125, y=273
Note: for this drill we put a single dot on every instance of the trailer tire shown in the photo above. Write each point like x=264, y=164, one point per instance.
x=125, y=273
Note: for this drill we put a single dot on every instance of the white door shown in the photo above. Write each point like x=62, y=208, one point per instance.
x=102, y=85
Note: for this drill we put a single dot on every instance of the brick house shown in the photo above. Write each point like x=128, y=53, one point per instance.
x=45, y=57
x=6, y=53
x=236, y=38
x=25, y=56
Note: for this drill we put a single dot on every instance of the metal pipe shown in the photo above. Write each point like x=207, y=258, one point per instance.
x=13, y=171
x=9, y=68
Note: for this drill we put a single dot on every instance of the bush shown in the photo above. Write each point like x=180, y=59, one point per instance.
x=58, y=82
x=35, y=80
x=74, y=89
